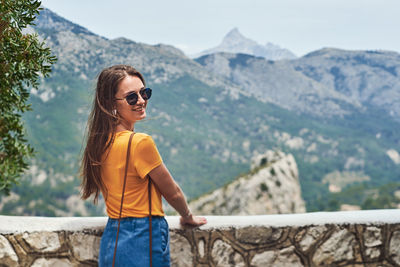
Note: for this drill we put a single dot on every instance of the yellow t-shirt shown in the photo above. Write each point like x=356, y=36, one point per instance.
x=144, y=157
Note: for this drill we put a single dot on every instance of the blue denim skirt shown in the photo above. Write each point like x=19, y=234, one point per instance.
x=133, y=242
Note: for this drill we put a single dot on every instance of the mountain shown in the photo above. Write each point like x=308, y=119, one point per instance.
x=206, y=124
x=278, y=82
x=235, y=42
x=369, y=78
x=265, y=190
x=328, y=82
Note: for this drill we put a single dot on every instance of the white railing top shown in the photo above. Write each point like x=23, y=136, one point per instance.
x=20, y=224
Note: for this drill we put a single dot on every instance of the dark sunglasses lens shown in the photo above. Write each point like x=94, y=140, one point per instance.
x=132, y=99
x=146, y=93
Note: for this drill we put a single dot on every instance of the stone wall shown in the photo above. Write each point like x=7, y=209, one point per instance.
x=357, y=238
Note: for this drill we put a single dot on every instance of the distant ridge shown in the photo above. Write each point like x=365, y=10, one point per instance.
x=235, y=42
x=50, y=21
x=326, y=82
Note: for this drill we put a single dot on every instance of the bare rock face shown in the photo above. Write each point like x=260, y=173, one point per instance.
x=272, y=187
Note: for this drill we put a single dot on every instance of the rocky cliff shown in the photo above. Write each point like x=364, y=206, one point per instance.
x=272, y=187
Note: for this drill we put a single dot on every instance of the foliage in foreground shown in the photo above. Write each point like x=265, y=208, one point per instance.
x=23, y=58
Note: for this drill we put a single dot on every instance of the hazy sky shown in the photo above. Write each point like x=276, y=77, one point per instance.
x=299, y=25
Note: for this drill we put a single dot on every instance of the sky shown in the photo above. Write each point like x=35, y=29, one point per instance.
x=301, y=26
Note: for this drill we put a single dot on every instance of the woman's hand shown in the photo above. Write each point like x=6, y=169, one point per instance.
x=193, y=220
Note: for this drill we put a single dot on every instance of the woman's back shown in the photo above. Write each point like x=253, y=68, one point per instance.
x=144, y=157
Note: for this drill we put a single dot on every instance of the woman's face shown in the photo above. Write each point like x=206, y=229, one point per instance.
x=128, y=113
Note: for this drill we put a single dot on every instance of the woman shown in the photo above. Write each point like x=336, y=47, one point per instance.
x=120, y=101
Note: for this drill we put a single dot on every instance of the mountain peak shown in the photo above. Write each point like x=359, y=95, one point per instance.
x=235, y=39
x=235, y=42
x=234, y=33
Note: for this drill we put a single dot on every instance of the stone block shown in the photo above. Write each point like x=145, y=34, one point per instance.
x=310, y=236
x=7, y=254
x=394, y=247
x=180, y=250
x=372, y=253
x=283, y=258
x=372, y=237
x=43, y=241
x=372, y=240
x=200, y=247
x=337, y=248
x=85, y=246
x=42, y=262
x=258, y=235
x=224, y=255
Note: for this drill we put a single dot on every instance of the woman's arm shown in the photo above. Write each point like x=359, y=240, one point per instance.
x=174, y=195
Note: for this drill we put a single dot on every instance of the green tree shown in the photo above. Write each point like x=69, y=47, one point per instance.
x=23, y=58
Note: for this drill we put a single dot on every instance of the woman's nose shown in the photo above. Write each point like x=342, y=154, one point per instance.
x=140, y=99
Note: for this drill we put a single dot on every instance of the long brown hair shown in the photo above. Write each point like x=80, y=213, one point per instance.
x=101, y=127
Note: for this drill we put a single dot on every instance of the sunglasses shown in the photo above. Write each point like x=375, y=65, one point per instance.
x=133, y=97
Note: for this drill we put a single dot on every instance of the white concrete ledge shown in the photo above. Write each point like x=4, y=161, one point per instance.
x=376, y=217
x=20, y=224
